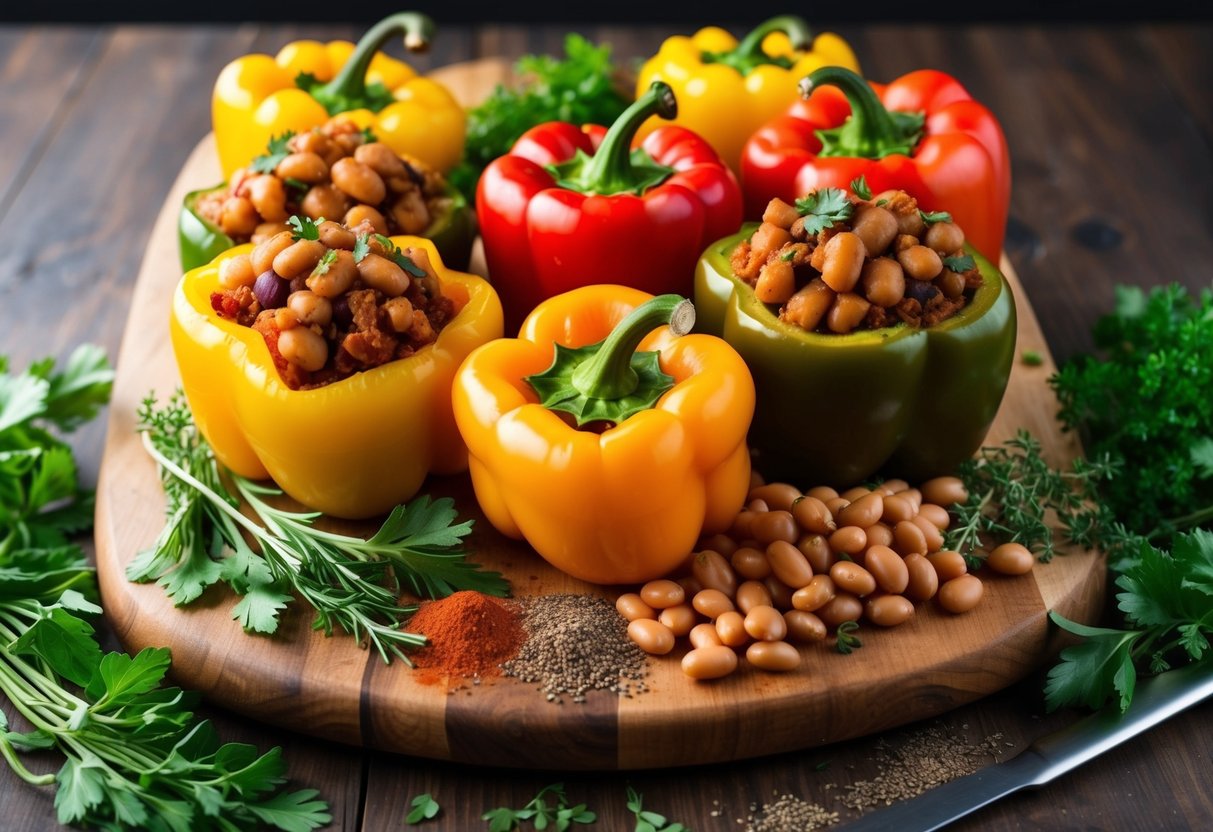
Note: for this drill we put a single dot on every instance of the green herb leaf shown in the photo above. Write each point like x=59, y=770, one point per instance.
x=788, y=255
x=859, y=187
x=846, y=641
x=424, y=808
x=305, y=228
x=1090, y=672
x=64, y=642
x=393, y=253
x=935, y=216
x=368, y=136
x=326, y=262
x=275, y=152
x=362, y=247
x=823, y=208
x=119, y=679
x=297, y=185
x=961, y=264
x=1031, y=358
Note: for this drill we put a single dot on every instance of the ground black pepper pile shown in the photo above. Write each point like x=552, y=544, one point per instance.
x=575, y=644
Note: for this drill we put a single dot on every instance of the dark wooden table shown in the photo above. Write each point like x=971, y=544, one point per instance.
x=1111, y=135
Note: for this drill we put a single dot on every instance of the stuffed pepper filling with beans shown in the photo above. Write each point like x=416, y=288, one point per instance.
x=331, y=301
x=837, y=263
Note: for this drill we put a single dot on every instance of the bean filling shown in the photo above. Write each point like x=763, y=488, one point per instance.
x=331, y=301
x=874, y=263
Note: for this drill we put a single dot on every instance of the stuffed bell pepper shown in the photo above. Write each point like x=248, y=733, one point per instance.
x=570, y=206
x=726, y=90
x=605, y=438
x=877, y=338
x=257, y=97
x=922, y=133
x=323, y=358
x=339, y=171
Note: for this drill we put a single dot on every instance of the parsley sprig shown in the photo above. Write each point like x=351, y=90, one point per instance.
x=133, y=754
x=350, y=582
x=647, y=821
x=304, y=228
x=1168, y=599
x=823, y=208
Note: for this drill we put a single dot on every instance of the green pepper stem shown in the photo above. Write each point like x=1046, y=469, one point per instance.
x=871, y=132
x=416, y=28
x=609, y=374
x=794, y=27
x=610, y=170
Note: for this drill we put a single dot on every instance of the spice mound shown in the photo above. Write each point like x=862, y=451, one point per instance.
x=331, y=300
x=834, y=263
x=575, y=644
x=471, y=634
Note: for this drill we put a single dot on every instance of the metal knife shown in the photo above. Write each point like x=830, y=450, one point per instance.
x=1154, y=700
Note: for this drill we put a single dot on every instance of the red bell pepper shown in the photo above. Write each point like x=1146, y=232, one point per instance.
x=922, y=133
x=572, y=206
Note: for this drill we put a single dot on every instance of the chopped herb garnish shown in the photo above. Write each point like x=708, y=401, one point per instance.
x=329, y=258
x=276, y=151
x=823, y=208
x=559, y=816
x=788, y=255
x=362, y=247
x=961, y=264
x=305, y=228
x=935, y=216
x=369, y=137
x=882, y=202
x=393, y=253
x=297, y=184
x=1031, y=358
x=647, y=821
x=859, y=187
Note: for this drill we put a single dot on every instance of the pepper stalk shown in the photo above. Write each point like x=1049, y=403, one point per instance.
x=610, y=381
x=748, y=55
x=872, y=131
x=349, y=90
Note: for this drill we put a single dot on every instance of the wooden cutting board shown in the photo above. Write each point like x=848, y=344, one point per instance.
x=330, y=688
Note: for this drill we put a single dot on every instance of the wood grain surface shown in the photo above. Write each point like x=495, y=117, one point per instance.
x=1109, y=127
x=326, y=686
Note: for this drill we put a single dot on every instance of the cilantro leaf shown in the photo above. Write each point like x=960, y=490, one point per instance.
x=276, y=151
x=935, y=216
x=81, y=786
x=305, y=228
x=80, y=390
x=823, y=208
x=257, y=611
x=293, y=811
x=963, y=263
x=859, y=187
x=362, y=247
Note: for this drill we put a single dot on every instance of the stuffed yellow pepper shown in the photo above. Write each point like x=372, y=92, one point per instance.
x=258, y=98
x=604, y=435
x=324, y=359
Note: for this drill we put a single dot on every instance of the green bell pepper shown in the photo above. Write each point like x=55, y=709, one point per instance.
x=201, y=241
x=836, y=409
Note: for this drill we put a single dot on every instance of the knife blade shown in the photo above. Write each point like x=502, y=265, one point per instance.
x=1049, y=757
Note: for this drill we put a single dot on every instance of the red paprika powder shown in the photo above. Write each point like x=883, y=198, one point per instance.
x=470, y=634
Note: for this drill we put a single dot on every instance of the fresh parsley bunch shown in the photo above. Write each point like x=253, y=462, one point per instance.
x=133, y=754
x=1147, y=404
x=577, y=89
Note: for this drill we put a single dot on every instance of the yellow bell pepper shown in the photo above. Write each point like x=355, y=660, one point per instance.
x=626, y=504
x=726, y=90
x=354, y=448
x=258, y=97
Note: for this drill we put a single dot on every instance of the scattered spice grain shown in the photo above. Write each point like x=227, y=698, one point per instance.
x=471, y=635
x=789, y=814
x=918, y=761
x=575, y=644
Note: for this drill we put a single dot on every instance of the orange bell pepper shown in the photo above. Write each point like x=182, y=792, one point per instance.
x=626, y=504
